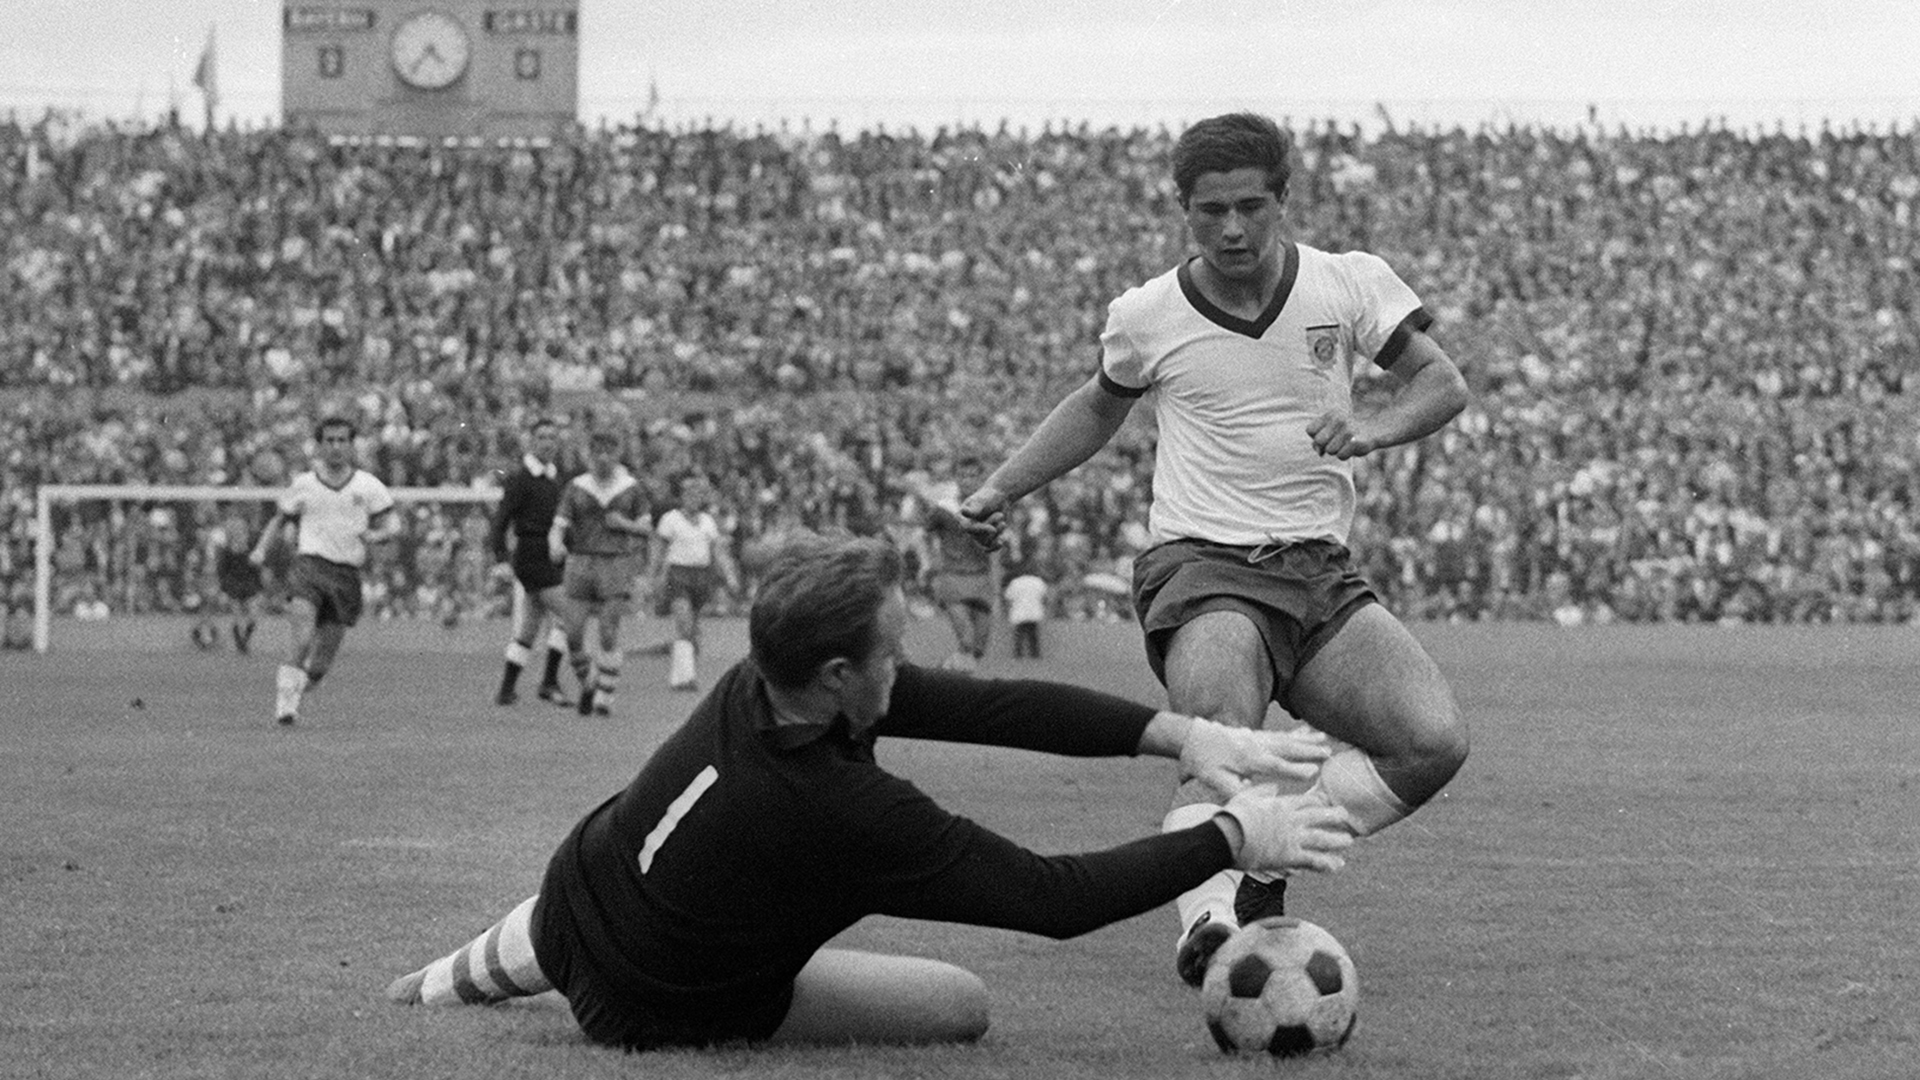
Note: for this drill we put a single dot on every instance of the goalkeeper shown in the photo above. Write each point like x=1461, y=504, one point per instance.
x=692, y=908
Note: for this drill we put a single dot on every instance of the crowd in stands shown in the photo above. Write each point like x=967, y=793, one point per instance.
x=1690, y=349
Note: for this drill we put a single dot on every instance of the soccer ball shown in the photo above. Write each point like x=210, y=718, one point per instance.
x=1280, y=985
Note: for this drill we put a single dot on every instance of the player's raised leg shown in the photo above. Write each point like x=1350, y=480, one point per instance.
x=496, y=965
x=843, y=996
x=1216, y=666
x=1373, y=686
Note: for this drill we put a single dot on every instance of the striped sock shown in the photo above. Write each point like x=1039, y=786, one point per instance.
x=607, y=681
x=496, y=966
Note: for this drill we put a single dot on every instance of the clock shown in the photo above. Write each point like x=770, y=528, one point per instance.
x=430, y=50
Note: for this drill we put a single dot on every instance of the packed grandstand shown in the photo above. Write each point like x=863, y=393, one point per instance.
x=1689, y=349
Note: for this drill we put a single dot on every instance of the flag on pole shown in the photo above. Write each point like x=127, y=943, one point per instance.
x=206, y=75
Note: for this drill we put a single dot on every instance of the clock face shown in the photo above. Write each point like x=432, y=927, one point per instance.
x=430, y=50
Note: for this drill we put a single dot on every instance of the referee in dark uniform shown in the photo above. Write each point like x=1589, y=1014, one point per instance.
x=693, y=907
x=518, y=537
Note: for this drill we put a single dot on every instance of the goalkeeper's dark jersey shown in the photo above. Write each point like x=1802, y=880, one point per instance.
x=702, y=889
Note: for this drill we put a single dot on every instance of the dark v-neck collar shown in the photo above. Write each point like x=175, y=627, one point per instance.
x=1289, y=269
x=321, y=475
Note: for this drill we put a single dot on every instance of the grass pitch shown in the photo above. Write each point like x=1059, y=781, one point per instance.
x=1677, y=852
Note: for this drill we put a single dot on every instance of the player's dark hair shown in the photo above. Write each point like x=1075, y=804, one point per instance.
x=819, y=600
x=327, y=423
x=1233, y=141
x=608, y=440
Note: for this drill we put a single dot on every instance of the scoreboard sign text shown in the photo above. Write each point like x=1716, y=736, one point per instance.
x=431, y=68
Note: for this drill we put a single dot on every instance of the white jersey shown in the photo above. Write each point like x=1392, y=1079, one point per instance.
x=334, y=521
x=1026, y=599
x=1233, y=398
x=690, y=538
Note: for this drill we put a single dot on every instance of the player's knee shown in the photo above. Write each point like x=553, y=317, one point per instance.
x=960, y=1008
x=1440, y=741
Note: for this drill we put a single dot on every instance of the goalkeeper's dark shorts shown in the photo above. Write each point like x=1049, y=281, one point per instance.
x=613, y=1012
x=534, y=567
x=332, y=588
x=1298, y=596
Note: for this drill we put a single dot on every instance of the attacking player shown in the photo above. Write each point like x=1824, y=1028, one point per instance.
x=695, y=906
x=517, y=536
x=690, y=557
x=1248, y=595
x=341, y=510
x=602, y=517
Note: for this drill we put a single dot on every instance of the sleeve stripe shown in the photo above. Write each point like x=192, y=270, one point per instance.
x=1116, y=389
x=1417, y=320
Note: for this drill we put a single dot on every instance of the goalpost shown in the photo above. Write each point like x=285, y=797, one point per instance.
x=51, y=495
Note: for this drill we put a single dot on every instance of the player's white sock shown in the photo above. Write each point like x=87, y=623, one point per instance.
x=1348, y=779
x=518, y=655
x=680, y=669
x=289, y=683
x=1213, y=896
x=493, y=967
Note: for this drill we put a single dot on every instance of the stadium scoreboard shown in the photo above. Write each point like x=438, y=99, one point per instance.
x=431, y=68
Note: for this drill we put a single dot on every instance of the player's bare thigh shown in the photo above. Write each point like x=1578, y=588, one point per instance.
x=1217, y=667
x=847, y=996
x=1374, y=686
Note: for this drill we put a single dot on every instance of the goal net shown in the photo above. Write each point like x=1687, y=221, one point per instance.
x=102, y=550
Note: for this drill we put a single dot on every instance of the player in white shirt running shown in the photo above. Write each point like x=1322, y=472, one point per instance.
x=341, y=510
x=1250, y=350
x=690, y=557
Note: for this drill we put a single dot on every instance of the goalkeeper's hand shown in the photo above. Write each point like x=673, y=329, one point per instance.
x=1228, y=759
x=1283, y=833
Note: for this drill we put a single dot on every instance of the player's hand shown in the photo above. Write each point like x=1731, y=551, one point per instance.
x=984, y=514
x=556, y=552
x=258, y=557
x=1334, y=435
x=1283, y=833
x=1229, y=759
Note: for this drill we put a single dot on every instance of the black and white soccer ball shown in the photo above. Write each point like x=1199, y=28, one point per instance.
x=1280, y=986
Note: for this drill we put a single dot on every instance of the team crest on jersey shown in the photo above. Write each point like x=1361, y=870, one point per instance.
x=1323, y=342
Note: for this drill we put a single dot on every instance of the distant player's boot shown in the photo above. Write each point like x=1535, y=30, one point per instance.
x=550, y=677
x=553, y=695
x=606, y=681
x=493, y=967
x=205, y=636
x=243, y=636
x=517, y=657
x=290, y=683
x=582, y=663
x=681, y=673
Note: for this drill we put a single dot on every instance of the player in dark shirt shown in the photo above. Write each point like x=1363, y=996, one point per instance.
x=518, y=537
x=693, y=907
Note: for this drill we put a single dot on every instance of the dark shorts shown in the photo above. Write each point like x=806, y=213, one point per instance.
x=1298, y=596
x=599, y=579
x=332, y=588
x=239, y=582
x=614, y=1015
x=532, y=567
x=695, y=583
x=974, y=590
